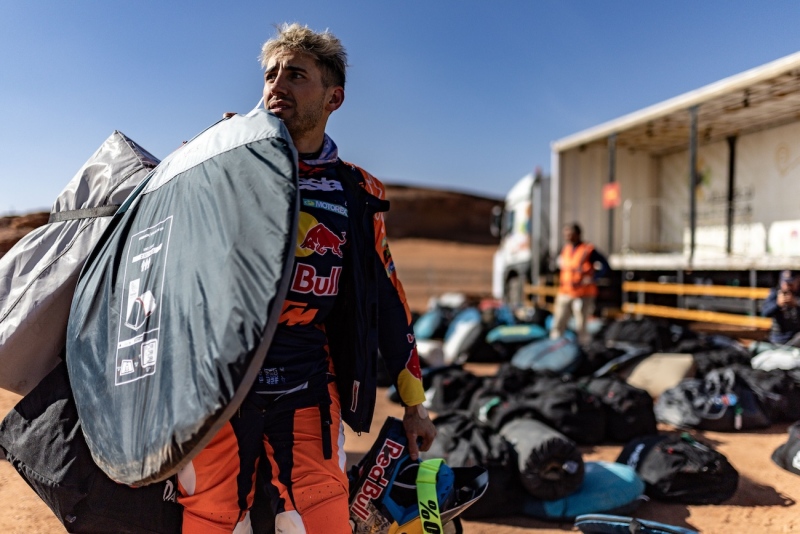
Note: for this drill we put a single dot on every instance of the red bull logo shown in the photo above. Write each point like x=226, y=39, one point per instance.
x=315, y=237
x=412, y=364
x=306, y=281
x=376, y=481
x=320, y=239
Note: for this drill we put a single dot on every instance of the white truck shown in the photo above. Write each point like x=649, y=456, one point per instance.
x=522, y=224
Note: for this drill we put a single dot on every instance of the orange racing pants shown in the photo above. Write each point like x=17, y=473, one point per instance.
x=308, y=492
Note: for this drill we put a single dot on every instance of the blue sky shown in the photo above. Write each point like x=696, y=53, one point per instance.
x=461, y=95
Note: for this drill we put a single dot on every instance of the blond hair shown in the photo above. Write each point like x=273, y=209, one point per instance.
x=324, y=47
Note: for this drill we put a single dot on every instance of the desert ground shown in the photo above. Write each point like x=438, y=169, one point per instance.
x=766, y=500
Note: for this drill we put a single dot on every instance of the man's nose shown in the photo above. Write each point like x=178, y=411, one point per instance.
x=278, y=85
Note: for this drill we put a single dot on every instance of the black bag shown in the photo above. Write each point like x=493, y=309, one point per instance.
x=650, y=332
x=573, y=411
x=550, y=465
x=777, y=392
x=511, y=379
x=681, y=469
x=451, y=388
x=43, y=440
x=719, y=358
x=787, y=455
x=722, y=402
x=463, y=442
x=555, y=400
x=595, y=355
x=629, y=410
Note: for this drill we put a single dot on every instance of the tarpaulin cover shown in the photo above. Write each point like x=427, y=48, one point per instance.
x=38, y=275
x=176, y=306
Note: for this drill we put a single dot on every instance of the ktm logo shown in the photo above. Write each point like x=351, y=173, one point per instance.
x=313, y=236
x=296, y=313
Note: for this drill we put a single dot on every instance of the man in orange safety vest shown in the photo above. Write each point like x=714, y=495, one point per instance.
x=580, y=264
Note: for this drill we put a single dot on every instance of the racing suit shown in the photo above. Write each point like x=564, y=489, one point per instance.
x=344, y=303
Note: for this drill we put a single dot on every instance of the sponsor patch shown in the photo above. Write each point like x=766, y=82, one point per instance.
x=315, y=237
x=412, y=364
x=321, y=184
x=306, y=280
x=296, y=313
x=327, y=206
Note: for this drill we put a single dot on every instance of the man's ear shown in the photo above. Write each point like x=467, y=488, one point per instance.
x=335, y=98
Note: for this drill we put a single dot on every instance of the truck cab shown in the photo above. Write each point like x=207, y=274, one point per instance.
x=522, y=225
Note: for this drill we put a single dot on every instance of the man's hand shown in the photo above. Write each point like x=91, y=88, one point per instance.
x=785, y=298
x=418, y=425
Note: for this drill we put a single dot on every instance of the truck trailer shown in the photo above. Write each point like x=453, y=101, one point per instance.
x=699, y=189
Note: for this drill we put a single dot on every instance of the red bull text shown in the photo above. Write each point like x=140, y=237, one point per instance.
x=306, y=281
x=376, y=483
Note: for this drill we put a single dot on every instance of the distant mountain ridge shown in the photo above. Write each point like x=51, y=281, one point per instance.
x=439, y=214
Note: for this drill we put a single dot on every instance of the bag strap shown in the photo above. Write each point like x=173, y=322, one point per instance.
x=427, y=497
x=86, y=213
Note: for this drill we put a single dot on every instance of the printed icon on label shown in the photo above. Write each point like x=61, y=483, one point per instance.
x=149, y=350
x=126, y=368
x=140, y=309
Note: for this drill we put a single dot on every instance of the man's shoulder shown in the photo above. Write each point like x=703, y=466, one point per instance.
x=366, y=180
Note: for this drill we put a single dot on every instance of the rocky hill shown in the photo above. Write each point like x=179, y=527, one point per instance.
x=12, y=229
x=416, y=212
x=438, y=214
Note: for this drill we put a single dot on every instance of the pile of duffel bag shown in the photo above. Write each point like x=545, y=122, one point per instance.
x=527, y=422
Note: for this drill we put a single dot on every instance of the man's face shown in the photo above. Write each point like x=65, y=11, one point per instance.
x=294, y=91
x=570, y=236
x=793, y=284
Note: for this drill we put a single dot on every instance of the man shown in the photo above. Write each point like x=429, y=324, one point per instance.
x=577, y=289
x=782, y=306
x=344, y=302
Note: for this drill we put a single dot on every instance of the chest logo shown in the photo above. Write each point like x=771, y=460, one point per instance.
x=320, y=184
x=313, y=236
x=306, y=280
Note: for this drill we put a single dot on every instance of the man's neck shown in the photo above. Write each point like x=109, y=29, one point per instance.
x=309, y=143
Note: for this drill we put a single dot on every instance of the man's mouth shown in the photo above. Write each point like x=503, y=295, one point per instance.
x=278, y=106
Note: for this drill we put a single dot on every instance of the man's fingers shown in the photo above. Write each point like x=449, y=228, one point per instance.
x=427, y=441
x=413, y=449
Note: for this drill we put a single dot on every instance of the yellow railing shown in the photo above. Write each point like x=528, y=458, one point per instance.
x=541, y=292
x=751, y=293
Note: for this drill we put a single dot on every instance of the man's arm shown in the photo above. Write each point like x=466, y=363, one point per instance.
x=595, y=257
x=769, y=308
x=396, y=338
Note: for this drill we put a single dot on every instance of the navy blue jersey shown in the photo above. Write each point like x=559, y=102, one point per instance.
x=299, y=348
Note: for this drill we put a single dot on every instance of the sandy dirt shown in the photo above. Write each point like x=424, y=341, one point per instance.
x=765, y=502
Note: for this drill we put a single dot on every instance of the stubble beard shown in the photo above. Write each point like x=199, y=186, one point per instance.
x=306, y=119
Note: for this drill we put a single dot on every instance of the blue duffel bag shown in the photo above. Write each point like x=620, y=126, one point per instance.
x=606, y=489
x=562, y=355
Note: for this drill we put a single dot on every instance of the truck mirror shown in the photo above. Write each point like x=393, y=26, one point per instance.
x=496, y=222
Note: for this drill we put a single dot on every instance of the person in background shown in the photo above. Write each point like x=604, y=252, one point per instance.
x=344, y=303
x=580, y=265
x=783, y=306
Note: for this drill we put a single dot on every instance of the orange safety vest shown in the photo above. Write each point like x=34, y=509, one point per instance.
x=575, y=266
